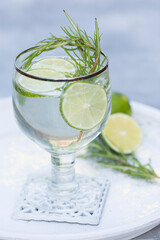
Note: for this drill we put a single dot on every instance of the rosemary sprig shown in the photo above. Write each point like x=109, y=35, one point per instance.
x=84, y=50
x=127, y=164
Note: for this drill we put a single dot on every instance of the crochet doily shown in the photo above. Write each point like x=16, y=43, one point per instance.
x=37, y=201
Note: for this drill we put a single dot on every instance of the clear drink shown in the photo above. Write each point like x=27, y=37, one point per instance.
x=40, y=117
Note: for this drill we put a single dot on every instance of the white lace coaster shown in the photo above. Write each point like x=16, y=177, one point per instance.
x=37, y=202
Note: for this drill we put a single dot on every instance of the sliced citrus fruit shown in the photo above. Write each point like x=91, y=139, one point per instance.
x=122, y=133
x=55, y=63
x=39, y=86
x=83, y=105
x=120, y=104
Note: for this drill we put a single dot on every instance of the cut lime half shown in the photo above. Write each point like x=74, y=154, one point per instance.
x=83, y=105
x=39, y=86
x=55, y=63
x=122, y=133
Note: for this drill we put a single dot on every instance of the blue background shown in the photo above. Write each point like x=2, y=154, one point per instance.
x=131, y=38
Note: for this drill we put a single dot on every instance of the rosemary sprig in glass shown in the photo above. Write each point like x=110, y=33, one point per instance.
x=127, y=164
x=84, y=50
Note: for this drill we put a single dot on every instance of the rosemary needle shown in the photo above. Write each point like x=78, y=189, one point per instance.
x=127, y=164
x=83, y=49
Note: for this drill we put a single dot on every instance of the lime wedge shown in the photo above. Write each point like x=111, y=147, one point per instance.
x=122, y=133
x=120, y=104
x=55, y=63
x=39, y=86
x=83, y=105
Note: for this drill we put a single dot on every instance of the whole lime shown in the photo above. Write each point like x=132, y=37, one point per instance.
x=120, y=104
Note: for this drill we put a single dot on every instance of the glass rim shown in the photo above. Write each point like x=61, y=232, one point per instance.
x=84, y=77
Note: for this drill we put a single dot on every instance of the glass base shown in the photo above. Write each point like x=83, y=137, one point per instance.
x=38, y=202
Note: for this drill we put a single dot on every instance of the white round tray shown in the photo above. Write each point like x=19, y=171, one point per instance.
x=132, y=206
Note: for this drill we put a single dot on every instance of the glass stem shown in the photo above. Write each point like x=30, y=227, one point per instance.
x=63, y=174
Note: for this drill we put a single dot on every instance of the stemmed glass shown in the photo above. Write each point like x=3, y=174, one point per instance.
x=40, y=116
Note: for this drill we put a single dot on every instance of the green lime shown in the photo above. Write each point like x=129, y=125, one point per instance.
x=38, y=86
x=55, y=63
x=83, y=105
x=120, y=103
x=24, y=92
x=122, y=133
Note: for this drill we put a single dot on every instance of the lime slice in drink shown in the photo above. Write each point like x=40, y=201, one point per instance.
x=122, y=133
x=83, y=105
x=39, y=86
x=120, y=104
x=55, y=63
